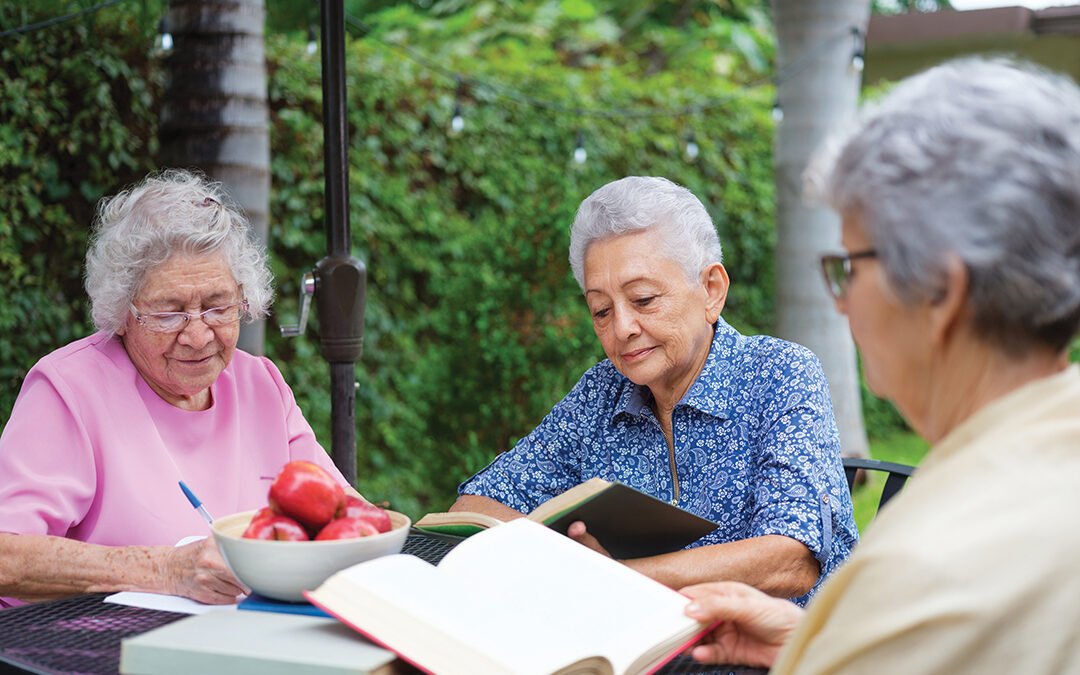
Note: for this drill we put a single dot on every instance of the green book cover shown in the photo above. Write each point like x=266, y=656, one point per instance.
x=453, y=529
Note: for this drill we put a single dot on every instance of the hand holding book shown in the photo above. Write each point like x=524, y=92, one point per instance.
x=626, y=523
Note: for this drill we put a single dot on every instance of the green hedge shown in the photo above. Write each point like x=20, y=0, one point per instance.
x=77, y=120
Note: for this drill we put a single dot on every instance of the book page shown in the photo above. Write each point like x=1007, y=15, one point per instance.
x=456, y=523
x=426, y=614
x=456, y=517
x=568, y=499
x=598, y=605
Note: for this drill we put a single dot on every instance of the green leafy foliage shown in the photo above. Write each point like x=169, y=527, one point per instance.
x=76, y=122
x=474, y=325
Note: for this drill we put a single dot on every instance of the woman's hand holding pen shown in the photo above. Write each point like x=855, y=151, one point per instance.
x=198, y=571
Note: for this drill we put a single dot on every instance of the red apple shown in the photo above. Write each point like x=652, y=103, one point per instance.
x=346, y=528
x=362, y=508
x=307, y=493
x=274, y=527
x=258, y=521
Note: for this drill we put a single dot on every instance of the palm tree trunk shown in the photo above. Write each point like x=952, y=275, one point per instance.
x=818, y=92
x=214, y=115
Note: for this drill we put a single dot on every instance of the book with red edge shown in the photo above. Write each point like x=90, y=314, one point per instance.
x=515, y=599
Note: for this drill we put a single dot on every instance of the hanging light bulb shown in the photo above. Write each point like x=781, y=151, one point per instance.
x=858, y=55
x=164, y=38
x=457, y=122
x=691, y=146
x=858, y=61
x=312, y=40
x=579, y=150
x=777, y=112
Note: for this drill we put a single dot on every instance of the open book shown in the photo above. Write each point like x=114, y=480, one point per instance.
x=515, y=599
x=627, y=523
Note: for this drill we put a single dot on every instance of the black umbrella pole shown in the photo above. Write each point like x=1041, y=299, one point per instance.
x=335, y=129
x=343, y=418
x=342, y=279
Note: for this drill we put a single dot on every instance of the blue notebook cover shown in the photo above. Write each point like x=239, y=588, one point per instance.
x=260, y=603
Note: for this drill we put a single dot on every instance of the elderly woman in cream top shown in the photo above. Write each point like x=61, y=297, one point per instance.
x=960, y=198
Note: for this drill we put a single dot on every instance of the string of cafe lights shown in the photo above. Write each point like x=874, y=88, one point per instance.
x=580, y=155
x=59, y=19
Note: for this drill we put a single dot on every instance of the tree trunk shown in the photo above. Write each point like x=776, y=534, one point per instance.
x=214, y=116
x=818, y=91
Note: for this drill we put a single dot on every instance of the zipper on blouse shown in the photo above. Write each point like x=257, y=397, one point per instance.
x=674, y=501
x=674, y=473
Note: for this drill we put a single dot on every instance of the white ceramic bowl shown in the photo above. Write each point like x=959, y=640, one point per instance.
x=283, y=570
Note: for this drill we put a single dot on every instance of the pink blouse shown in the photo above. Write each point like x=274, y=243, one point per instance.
x=93, y=454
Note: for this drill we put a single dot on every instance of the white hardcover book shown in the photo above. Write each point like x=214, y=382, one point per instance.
x=259, y=643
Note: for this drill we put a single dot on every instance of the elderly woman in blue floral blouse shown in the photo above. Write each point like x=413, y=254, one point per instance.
x=737, y=429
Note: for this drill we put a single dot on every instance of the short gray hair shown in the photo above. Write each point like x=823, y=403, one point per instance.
x=166, y=213
x=640, y=202
x=977, y=159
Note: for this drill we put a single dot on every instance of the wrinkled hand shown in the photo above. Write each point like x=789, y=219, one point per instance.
x=198, y=571
x=754, y=625
x=578, y=533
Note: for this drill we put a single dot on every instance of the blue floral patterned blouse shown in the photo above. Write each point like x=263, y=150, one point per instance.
x=756, y=447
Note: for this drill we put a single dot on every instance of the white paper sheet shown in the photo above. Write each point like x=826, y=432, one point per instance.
x=167, y=603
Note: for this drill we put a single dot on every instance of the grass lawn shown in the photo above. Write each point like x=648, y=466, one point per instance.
x=905, y=448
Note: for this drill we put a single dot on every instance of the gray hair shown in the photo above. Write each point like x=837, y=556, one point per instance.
x=640, y=202
x=174, y=211
x=977, y=159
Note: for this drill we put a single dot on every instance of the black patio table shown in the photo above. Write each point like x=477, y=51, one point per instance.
x=81, y=635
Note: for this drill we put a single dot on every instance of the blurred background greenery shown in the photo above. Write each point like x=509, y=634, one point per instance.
x=474, y=325
x=902, y=447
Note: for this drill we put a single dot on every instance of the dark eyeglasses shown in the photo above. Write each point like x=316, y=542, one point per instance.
x=837, y=270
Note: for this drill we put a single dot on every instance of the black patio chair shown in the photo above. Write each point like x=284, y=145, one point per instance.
x=897, y=475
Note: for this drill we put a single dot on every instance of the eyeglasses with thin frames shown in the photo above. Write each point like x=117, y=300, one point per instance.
x=837, y=270
x=174, y=322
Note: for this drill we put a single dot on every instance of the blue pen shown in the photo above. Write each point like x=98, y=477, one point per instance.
x=196, y=503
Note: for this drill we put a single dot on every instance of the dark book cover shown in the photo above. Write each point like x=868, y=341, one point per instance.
x=632, y=524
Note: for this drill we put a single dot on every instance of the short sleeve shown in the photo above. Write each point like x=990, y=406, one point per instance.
x=46, y=460
x=798, y=490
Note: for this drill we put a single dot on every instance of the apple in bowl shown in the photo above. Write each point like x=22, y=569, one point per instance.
x=267, y=525
x=305, y=502
x=305, y=492
x=283, y=569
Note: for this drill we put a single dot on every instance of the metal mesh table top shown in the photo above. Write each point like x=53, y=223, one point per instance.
x=429, y=546
x=82, y=634
x=74, y=635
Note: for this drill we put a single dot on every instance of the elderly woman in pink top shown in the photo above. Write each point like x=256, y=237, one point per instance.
x=105, y=427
